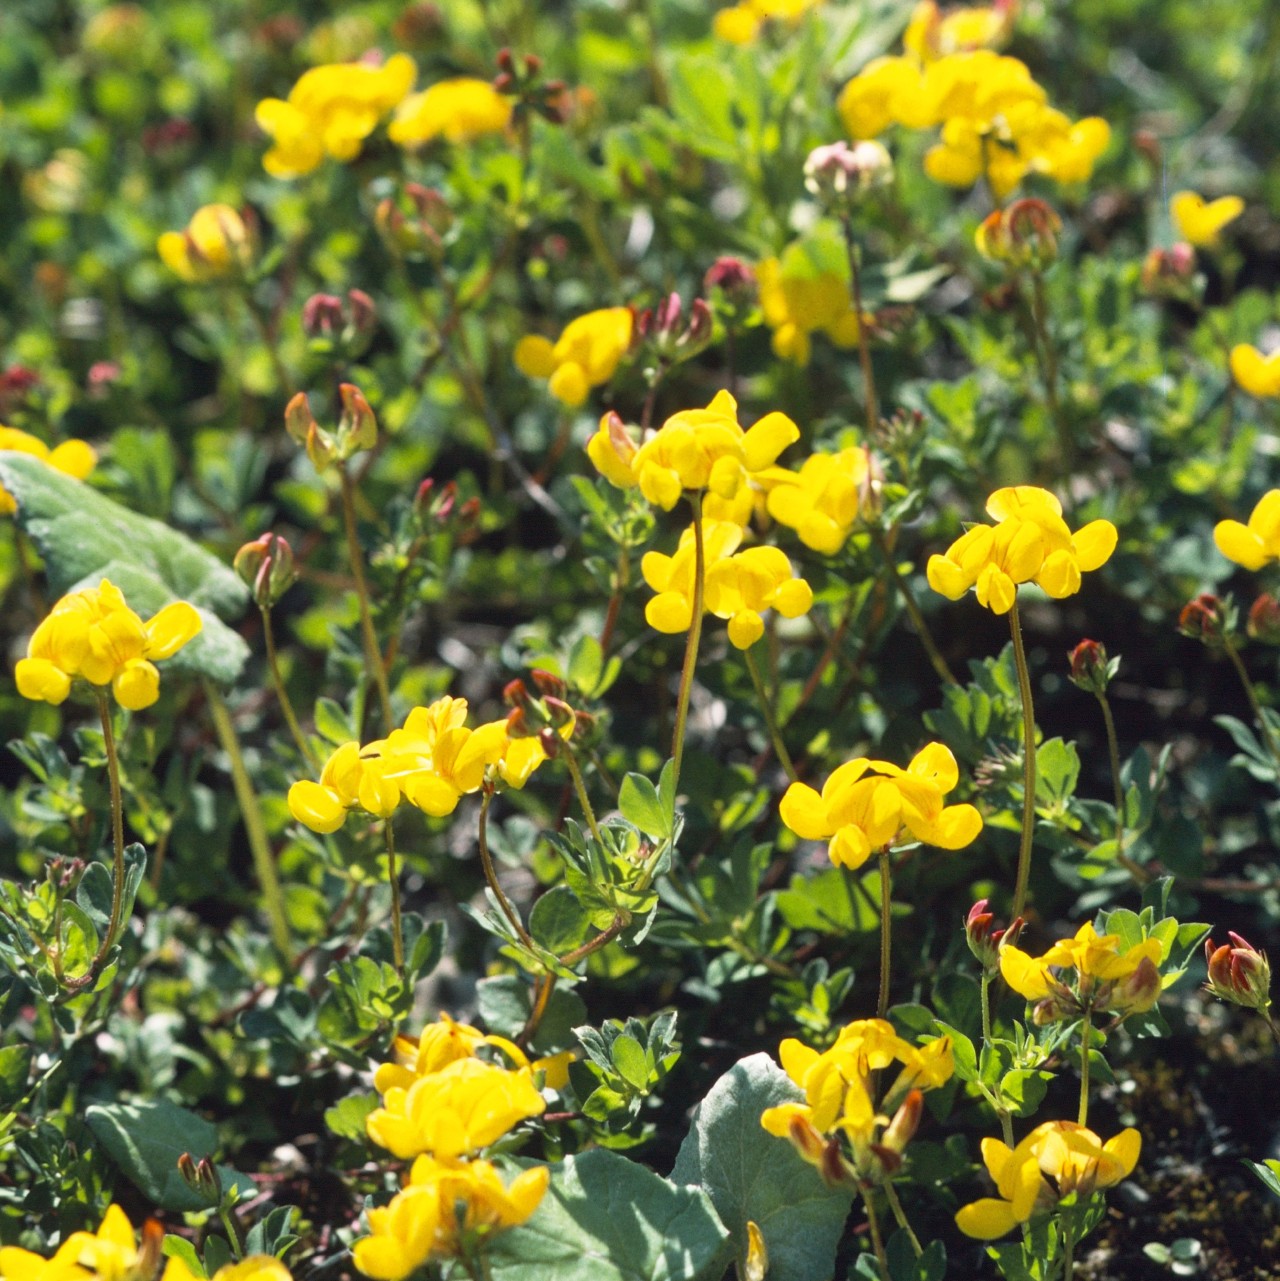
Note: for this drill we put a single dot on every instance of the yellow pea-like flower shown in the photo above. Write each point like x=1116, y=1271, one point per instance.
x=1257, y=374
x=459, y=110
x=586, y=354
x=1257, y=543
x=74, y=458
x=1200, y=222
x=215, y=244
x=797, y=306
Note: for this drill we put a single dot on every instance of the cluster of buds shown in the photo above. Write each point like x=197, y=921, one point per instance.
x=1023, y=234
x=1091, y=669
x=731, y=285
x=1170, y=273
x=1209, y=619
x=357, y=428
x=522, y=79
x=438, y=505
x=64, y=873
x=839, y=174
x=546, y=716
x=343, y=326
x=201, y=1177
x=1239, y=973
x=872, y=1162
x=414, y=222
x=1263, y=623
x=266, y=567
x=984, y=942
x=667, y=336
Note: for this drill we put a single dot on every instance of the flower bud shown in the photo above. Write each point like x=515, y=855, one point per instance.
x=357, y=427
x=515, y=694
x=1239, y=973
x=1208, y=619
x=984, y=942
x=839, y=174
x=201, y=1177
x=1169, y=273
x=518, y=725
x=414, y=223
x=1138, y=992
x=321, y=315
x=1091, y=670
x=1023, y=234
x=559, y=713
x=551, y=741
x=548, y=683
x=102, y=376
x=905, y=1122
x=1264, y=620
x=301, y=424
x=731, y=275
x=266, y=566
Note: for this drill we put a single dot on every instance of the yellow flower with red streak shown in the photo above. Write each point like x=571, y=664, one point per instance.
x=586, y=354
x=330, y=112
x=1031, y=543
x=458, y=110
x=1200, y=222
x=215, y=244
x=93, y=635
x=867, y=805
x=74, y=458
x=1072, y=1155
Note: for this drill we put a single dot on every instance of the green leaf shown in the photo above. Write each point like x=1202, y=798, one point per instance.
x=1024, y=1089
x=271, y=1234
x=606, y=1218
x=1269, y=1173
x=752, y=1176
x=558, y=921
x=900, y=1254
x=176, y=1247
x=641, y=804
x=346, y=1119
x=146, y=1138
x=84, y=537
x=15, y=1067
x=505, y=1005
x=628, y=1058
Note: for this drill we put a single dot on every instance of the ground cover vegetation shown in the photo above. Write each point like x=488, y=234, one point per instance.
x=641, y=640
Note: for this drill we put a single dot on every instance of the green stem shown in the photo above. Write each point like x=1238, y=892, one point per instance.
x=397, y=928
x=621, y=577
x=372, y=654
x=913, y=610
x=1083, y=1116
x=229, y=1221
x=1049, y=372
x=1028, y=763
x=1136, y=870
x=1251, y=693
x=282, y=694
x=886, y=931
x=691, y=644
x=900, y=1216
x=877, y=1242
x=987, y=976
x=263, y=327
x=775, y=737
x=117, y=823
x=864, y=346
x=1068, y=1248
x=575, y=773
x=491, y=876
x=251, y=815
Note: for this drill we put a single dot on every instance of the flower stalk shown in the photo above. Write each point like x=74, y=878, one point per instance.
x=771, y=721
x=1028, y=762
x=372, y=653
x=397, y=928
x=691, y=644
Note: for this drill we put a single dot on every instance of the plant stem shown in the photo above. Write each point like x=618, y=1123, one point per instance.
x=1136, y=870
x=1083, y=1116
x=490, y=876
x=913, y=610
x=251, y=815
x=864, y=346
x=886, y=932
x=286, y=703
x=900, y=1215
x=621, y=577
x=691, y=644
x=397, y=929
x=117, y=822
x=1028, y=763
x=1068, y=1248
x=775, y=737
x=1047, y=357
x=1228, y=647
x=575, y=773
x=372, y=654
x=877, y=1242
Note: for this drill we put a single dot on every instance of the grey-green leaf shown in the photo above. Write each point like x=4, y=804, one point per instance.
x=606, y=1218
x=752, y=1176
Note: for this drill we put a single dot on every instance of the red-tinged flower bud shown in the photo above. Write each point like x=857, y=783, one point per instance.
x=1023, y=234
x=559, y=713
x=505, y=61
x=357, y=427
x=1169, y=273
x=1207, y=619
x=549, y=683
x=266, y=566
x=102, y=376
x=532, y=64
x=300, y=423
x=469, y=512
x=701, y=323
x=1136, y=993
x=362, y=310
x=583, y=724
x=1239, y=973
x=840, y=174
x=666, y=316
x=420, y=24
x=984, y=942
x=151, y=1246
x=832, y=1165
x=1264, y=620
x=518, y=725
x=516, y=694
x=322, y=315
x=890, y=1161
x=905, y=1122
x=1147, y=144
x=731, y=275
x=1053, y=1009
x=1091, y=670
x=551, y=742
x=201, y=1177
x=504, y=82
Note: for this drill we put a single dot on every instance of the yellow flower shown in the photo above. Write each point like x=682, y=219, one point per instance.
x=865, y=805
x=459, y=110
x=331, y=111
x=1257, y=543
x=707, y=449
x=886, y=91
x=74, y=458
x=1031, y=543
x=738, y=587
x=93, y=634
x=1200, y=223
x=1072, y=1155
x=586, y=354
x=796, y=306
x=454, y=1112
x=1257, y=374
x=438, y=1045
x=443, y=1211
x=216, y=243
x=741, y=23
x=824, y=500
x=352, y=778
x=931, y=33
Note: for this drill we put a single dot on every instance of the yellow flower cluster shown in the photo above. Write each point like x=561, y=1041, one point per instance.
x=458, y=110
x=1257, y=374
x=94, y=635
x=796, y=306
x=216, y=243
x=330, y=112
x=740, y=585
x=1030, y=544
x=838, y=1087
x=867, y=804
x=1200, y=222
x=114, y=1253
x=586, y=354
x=432, y=761
x=741, y=23
x=441, y=1105
x=825, y=499
x=995, y=119
x=1257, y=543
x=1074, y=1157
x=74, y=458
x=1106, y=978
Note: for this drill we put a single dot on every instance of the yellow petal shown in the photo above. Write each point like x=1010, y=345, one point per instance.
x=1094, y=544
x=41, y=681
x=171, y=629
x=805, y=813
x=316, y=807
x=986, y=1219
x=534, y=356
x=745, y=628
x=1240, y=544
x=136, y=685
x=767, y=439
